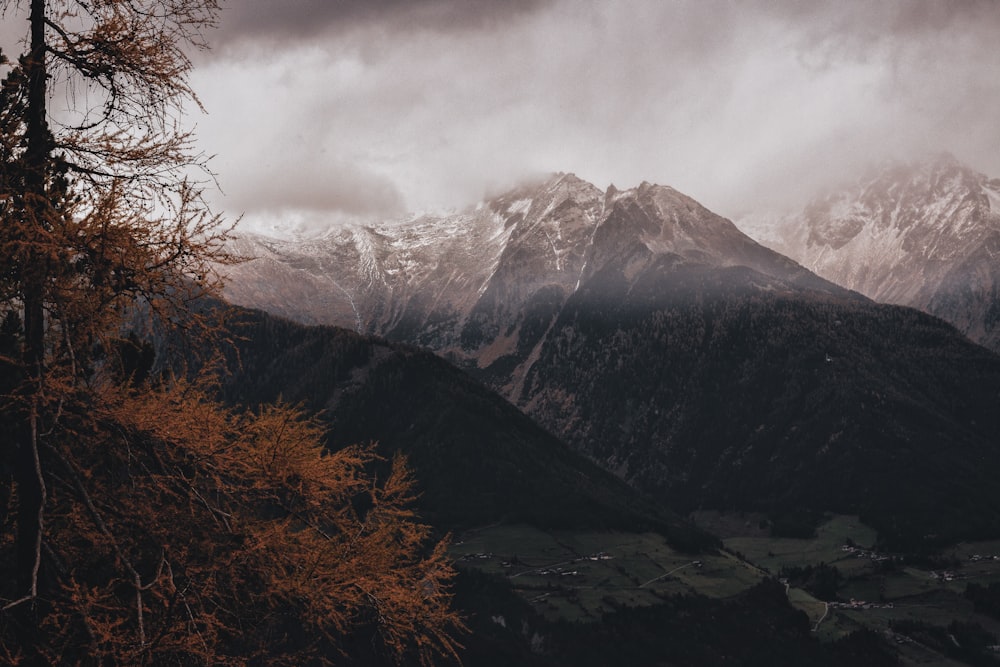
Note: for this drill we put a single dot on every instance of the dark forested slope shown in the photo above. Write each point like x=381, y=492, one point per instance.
x=476, y=457
x=705, y=390
x=657, y=339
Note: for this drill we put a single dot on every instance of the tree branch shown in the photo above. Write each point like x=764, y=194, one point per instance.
x=41, y=503
x=103, y=528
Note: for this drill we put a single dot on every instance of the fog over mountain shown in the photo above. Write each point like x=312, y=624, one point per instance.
x=320, y=111
x=922, y=234
x=656, y=338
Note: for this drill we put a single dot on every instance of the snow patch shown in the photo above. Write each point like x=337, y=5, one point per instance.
x=994, y=199
x=519, y=206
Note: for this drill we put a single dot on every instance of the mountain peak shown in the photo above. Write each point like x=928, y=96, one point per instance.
x=917, y=233
x=922, y=172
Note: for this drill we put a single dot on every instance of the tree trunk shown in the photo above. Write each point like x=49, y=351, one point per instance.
x=28, y=472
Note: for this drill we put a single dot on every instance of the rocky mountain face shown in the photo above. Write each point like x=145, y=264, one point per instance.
x=925, y=235
x=472, y=286
x=483, y=287
x=656, y=338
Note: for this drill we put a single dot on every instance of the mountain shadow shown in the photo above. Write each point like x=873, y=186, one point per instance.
x=663, y=343
x=705, y=389
x=477, y=459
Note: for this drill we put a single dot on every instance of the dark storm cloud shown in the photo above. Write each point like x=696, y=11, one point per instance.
x=739, y=104
x=271, y=20
x=861, y=29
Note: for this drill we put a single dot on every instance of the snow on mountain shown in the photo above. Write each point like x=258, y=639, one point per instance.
x=484, y=286
x=422, y=278
x=658, y=339
x=923, y=235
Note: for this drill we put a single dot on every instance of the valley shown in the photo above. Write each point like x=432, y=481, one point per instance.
x=632, y=416
x=581, y=576
x=745, y=413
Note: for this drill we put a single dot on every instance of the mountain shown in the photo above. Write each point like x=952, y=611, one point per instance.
x=705, y=393
x=460, y=284
x=477, y=459
x=924, y=234
x=483, y=286
x=663, y=343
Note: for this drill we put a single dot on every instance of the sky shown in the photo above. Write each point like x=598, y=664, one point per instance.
x=320, y=111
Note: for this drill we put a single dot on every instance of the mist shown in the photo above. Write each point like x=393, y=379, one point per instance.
x=321, y=111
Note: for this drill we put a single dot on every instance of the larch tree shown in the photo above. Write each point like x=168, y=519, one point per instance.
x=144, y=523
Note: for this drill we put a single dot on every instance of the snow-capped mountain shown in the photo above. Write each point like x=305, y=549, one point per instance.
x=925, y=234
x=483, y=286
x=656, y=338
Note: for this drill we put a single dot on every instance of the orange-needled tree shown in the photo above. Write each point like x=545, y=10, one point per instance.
x=143, y=523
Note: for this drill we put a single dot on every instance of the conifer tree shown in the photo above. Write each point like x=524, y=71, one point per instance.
x=143, y=523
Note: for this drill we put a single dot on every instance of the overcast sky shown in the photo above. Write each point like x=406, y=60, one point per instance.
x=321, y=109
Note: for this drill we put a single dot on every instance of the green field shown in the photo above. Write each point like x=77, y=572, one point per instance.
x=579, y=576
x=773, y=553
x=881, y=595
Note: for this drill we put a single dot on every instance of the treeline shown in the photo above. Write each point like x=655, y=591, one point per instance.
x=985, y=598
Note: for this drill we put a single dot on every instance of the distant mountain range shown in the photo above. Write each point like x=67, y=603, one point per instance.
x=482, y=286
x=662, y=342
x=923, y=234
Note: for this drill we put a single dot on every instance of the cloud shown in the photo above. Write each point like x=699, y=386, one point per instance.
x=319, y=187
x=296, y=20
x=279, y=144
x=363, y=108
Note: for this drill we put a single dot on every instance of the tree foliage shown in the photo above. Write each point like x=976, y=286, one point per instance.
x=143, y=523
x=191, y=534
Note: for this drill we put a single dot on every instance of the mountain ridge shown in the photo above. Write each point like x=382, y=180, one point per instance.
x=477, y=460
x=705, y=369
x=482, y=286
x=924, y=234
